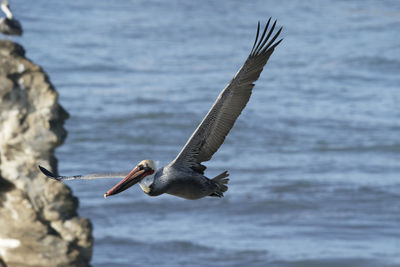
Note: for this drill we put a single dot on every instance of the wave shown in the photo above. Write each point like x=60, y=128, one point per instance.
x=333, y=262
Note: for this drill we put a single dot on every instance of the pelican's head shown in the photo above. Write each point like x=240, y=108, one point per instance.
x=143, y=169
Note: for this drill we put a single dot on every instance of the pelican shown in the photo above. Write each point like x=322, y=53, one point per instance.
x=9, y=25
x=184, y=176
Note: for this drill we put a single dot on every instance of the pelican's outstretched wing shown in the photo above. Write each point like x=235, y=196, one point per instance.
x=83, y=177
x=211, y=132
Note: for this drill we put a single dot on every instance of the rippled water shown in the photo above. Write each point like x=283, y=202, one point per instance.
x=314, y=159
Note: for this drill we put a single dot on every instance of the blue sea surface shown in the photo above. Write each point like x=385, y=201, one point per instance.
x=314, y=159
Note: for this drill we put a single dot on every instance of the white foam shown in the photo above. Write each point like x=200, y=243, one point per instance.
x=7, y=243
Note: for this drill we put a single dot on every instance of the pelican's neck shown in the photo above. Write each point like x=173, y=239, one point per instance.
x=146, y=183
x=7, y=11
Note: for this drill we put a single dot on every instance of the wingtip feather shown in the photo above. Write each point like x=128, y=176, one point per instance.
x=260, y=45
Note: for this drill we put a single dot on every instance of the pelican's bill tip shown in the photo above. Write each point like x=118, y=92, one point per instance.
x=47, y=172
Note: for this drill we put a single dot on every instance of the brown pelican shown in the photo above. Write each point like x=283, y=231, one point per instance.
x=9, y=25
x=184, y=176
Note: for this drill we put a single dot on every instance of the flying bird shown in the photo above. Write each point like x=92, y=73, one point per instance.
x=9, y=25
x=184, y=176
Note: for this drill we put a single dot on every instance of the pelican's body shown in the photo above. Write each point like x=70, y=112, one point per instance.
x=184, y=176
x=182, y=182
x=9, y=25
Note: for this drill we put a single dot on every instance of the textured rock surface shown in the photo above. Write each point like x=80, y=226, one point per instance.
x=39, y=225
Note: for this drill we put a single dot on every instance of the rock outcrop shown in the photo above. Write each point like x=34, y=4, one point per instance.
x=39, y=225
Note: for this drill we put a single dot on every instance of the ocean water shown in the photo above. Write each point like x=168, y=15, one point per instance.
x=314, y=159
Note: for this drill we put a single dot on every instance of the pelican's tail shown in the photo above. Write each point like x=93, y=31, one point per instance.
x=221, y=182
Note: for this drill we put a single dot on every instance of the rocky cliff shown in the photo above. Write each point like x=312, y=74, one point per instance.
x=39, y=225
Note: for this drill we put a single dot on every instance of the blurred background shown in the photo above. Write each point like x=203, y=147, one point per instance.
x=314, y=158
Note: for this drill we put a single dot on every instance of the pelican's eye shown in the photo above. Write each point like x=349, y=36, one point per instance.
x=140, y=167
x=147, y=168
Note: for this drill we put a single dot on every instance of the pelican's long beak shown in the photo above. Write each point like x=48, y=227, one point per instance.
x=135, y=176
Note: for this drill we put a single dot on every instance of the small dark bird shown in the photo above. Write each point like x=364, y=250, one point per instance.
x=9, y=25
x=184, y=176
